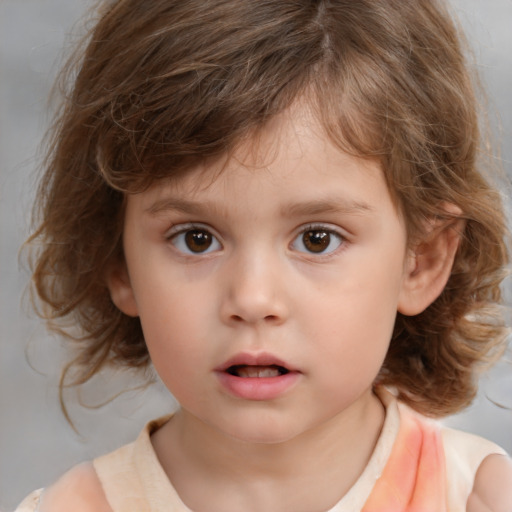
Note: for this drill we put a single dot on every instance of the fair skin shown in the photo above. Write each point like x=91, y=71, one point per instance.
x=228, y=281
x=294, y=256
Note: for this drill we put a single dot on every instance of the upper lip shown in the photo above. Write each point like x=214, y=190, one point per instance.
x=258, y=359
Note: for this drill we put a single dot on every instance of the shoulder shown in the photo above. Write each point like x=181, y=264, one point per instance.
x=79, y=489
x=492, y=489
x=478, y=473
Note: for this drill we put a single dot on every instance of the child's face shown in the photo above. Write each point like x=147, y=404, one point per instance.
x=268, y=296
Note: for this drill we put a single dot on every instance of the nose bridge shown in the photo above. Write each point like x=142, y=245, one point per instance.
x=254, y=291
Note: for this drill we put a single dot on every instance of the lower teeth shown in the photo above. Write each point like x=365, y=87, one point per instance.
x=258, y=371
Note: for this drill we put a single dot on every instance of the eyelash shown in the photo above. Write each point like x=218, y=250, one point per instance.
x=204, y=235
x=181, y=230
x=320, y=228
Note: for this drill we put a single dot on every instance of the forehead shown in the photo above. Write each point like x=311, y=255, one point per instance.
x=289, y=165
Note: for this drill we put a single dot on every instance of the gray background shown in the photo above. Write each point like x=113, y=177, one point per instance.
x=36, y=443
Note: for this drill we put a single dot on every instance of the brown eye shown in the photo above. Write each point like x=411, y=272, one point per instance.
x=198, y=240
x=195, y=241
x=316, y=241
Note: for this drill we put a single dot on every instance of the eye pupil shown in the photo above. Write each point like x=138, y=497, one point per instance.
x=198, y=240
x=316, y=241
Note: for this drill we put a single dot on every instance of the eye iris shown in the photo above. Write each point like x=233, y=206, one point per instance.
x=316, y=241
x=197, y=240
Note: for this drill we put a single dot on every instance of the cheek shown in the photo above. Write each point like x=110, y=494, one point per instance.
x=175, y=322
x=359, y=300
x=352, y=318
x=169, y=327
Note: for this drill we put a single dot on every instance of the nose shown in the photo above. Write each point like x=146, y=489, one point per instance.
x=254, y=292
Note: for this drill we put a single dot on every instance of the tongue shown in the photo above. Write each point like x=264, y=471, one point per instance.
x=257, y=371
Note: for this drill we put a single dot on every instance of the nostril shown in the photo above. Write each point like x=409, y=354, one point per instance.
x=267, y=318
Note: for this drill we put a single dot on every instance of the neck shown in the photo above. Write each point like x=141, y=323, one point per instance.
x=310, y=472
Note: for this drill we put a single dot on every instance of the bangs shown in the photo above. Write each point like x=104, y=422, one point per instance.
x=161, y=87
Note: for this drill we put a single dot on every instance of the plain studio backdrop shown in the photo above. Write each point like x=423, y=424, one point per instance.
x=36, y=442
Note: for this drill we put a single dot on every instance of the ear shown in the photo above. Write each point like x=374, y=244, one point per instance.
x=430, y=263
x=121, y=291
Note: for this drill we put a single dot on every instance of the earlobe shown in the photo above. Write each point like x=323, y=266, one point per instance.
x=121, y=291
x=429, y=266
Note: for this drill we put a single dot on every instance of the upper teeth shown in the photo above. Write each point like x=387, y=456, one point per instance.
x=258, y=371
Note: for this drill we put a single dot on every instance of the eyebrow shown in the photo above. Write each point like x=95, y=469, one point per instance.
x=331, y=205
x=337, y=205
x=175, y=204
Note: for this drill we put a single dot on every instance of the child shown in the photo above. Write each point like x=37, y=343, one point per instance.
x=279, y=205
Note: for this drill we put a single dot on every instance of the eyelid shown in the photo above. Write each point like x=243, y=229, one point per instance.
x=321, y=226
x=181, y=227
x=172, y=234
x=326, y=226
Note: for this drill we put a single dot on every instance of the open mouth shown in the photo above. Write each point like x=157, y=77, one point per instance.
x=260, y=376
x=256, y=371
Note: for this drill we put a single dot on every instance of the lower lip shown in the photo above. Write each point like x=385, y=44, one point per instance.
x=258, y=388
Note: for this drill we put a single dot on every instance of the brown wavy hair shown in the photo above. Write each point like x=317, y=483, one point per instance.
x=159, y=86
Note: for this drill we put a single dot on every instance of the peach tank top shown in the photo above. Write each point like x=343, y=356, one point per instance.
x=417, y=466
